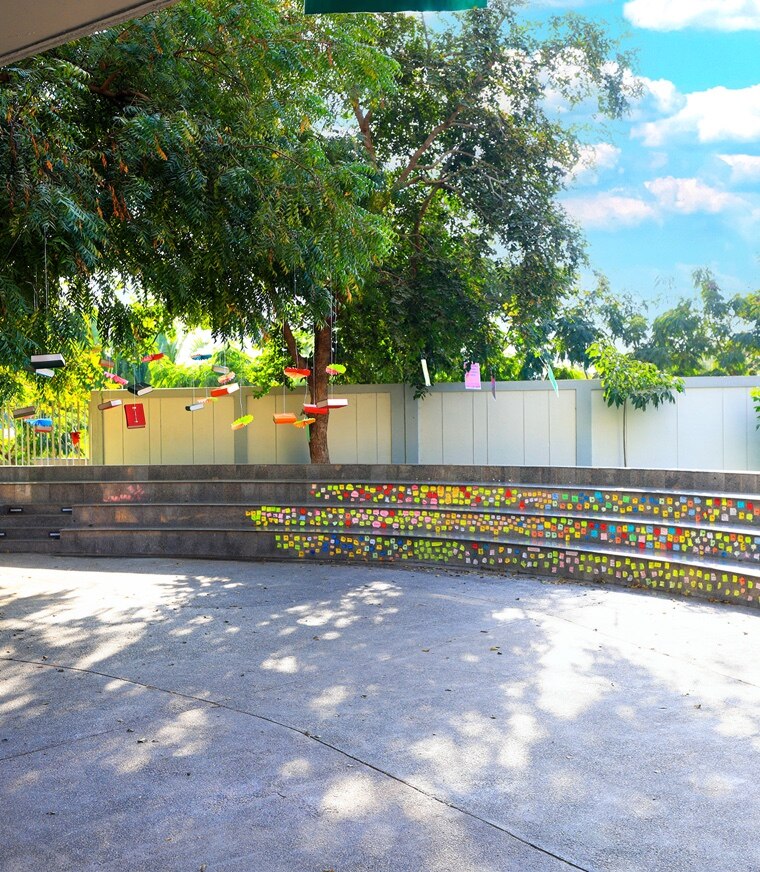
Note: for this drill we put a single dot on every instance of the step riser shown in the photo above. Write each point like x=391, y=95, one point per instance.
x=666, y=508
x=631, y=571
x=671, y=540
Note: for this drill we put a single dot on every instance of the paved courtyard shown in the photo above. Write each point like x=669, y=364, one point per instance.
x=200, y=716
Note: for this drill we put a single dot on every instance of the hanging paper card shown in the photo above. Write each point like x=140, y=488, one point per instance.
x=139, y=389
x=226, y=378
x=304, y=422
x=200, y=356
x=106, y=363
x=425, y=373
x=295, y=372
x=335, y=369
x=241, y=422
x=223, y=391
x=222, y=370
x=135, y=415
x=46, y=373
x=109, y=404
x=24, y=412
x=76, y=438
x=472, y=377
x=116, y=379
x=44, y=428
x=195, y=407
x=149, y=358
x=314, y=409
x=49, y=361
x=550, y=373
x=493, y=385
x=284, y=418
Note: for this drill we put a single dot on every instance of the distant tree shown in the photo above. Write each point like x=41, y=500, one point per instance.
x=473, y=164
x=627, y=380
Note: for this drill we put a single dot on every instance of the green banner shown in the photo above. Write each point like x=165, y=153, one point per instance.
x=315, y=7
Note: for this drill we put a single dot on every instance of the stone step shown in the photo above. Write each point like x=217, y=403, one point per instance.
x=29, y=533
x=44, y=545
x=720, y=543
x=648, y=506
x=679, y=575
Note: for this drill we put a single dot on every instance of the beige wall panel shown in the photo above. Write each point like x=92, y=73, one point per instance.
x=384, y=427
x=292, y=444
x=457, y=416
x=506, y=443
x=606, y=433
x=262, y=442
x=153, y=417
x=481, y=401
x=735, y=428
x=222, y=416
x=366, y=427
x=341, y=434
x=653, y=437
x=700, y=428
x=175, y=428
x=536, y=427
x=202, y=423
x=114, y=427
x=562, y=428
x=430, y=429
x=753, y=434
x=137, y=442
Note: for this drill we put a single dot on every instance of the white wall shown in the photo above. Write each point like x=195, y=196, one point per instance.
x=711, y=426
x=518, y=427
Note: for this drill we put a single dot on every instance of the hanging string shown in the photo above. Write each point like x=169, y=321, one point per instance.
x=46, y=271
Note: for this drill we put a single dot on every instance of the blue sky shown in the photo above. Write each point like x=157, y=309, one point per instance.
x=676, y=185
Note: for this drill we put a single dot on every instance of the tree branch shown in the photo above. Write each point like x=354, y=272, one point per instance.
x=429, y=140
x=363, y=120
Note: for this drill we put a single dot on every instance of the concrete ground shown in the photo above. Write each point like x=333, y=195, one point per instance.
x=274, y=717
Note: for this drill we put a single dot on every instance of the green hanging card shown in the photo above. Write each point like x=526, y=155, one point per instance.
x=553, y=380
x=317, y=7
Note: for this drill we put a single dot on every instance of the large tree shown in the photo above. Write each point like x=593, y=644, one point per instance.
x=474, y=158
x=186, y=158
x=249, y=169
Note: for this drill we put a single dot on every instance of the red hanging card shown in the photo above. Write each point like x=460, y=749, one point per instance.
x=135, y=415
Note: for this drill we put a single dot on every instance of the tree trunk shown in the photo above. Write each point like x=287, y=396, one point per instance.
x=319, y=451
x=318, y=382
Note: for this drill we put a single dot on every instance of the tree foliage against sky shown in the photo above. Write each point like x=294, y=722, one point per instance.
x=255, y=171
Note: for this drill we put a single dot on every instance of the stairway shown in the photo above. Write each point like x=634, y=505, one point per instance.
x=698, y=542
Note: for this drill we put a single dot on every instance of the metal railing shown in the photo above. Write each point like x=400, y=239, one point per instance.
x=65, y=443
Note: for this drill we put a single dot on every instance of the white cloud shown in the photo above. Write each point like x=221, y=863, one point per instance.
x=662, y=93
x=592, y=158
x=609, y=211
x=744, y=167
x=687, y=196
x=717, y=114
x=709, y=14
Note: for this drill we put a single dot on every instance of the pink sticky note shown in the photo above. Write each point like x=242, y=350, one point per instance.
x=472, y=377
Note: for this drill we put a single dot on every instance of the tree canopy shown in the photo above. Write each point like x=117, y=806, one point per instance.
x=252, y=170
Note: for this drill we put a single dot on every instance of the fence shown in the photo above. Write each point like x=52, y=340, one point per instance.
x=65, y=443
x=711, y=426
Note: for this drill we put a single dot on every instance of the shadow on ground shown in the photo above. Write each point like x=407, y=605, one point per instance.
x=198, y=715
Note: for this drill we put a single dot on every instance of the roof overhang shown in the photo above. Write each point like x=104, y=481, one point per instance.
x=28, y=29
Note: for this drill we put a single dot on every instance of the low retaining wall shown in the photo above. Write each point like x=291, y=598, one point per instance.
x=628, y=527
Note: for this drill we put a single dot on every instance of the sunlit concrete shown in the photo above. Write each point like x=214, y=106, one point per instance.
x=197, y=715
